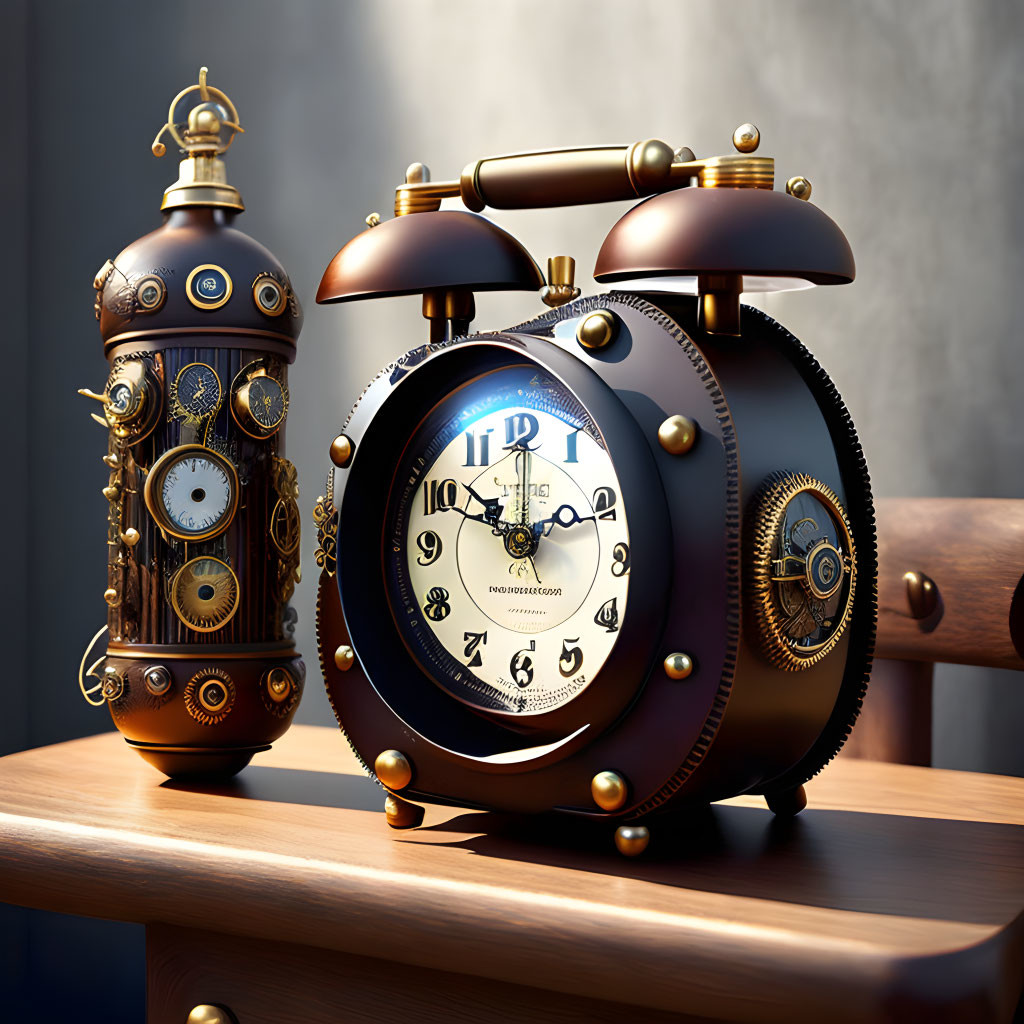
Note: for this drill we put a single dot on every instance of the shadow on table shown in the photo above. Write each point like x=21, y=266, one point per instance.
x=930, y=868
x=293, y=786
x=888, y=864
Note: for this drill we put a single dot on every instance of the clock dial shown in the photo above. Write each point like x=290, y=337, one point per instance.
x=204, y=594
x=197, y=392
x=267, y=402
x=509, y=544
x=192, y=492
x=259, y=399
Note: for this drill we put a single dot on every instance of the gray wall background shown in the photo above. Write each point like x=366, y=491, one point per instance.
x=905, y=117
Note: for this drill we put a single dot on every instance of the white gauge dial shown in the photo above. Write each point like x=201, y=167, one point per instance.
x=516, y=545
x=192, y=492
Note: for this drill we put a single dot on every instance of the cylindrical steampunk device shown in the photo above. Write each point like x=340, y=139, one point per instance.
x=199, y=323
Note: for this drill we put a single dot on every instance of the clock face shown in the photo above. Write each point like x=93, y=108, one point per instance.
x=508, y=544
x=192, y=492
x=197, y=391
x=267, y=402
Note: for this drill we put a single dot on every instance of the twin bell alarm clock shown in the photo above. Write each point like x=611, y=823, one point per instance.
x=617, y=560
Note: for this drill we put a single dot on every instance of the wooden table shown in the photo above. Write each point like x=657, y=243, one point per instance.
x=897, y=896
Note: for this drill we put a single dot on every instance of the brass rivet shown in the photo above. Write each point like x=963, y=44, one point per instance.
x=609, y=790
x=113, y=683
x=131, y=536
x=393, y=769
x=344, y=657
x=402, y=814
x=373, y=220
x=746, y=138
x=279, y=685
x=158, y=680
x=597, y=329
x=677, y=434
x=341, y=451
x=112, y=493
x=678, y=666
x=799, y=187
x=631, y=840
x=214, y=694
x=110, y=596
x=922, y=594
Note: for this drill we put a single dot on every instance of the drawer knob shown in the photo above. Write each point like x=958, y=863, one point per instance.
x=207, y=1013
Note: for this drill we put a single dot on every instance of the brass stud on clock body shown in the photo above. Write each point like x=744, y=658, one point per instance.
x=344, y=657
x=609, y=790
x=746, y=138
x=678, y=666
x=393, y=769
x=130, y=536
x=631, y=840
x=799, y=187
x=597, y=330
x=342, y=450
x=677, y=434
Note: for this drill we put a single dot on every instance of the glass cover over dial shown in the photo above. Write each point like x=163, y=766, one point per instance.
x=508, y=544
x=192, y=492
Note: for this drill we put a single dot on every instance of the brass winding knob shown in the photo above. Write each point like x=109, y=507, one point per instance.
x=560, y=288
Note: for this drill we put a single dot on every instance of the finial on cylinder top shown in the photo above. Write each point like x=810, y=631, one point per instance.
x=201, y=138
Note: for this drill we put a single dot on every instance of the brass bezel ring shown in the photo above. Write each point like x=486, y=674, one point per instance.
x=282, y=303
x=194, y=703
x=285, y=502
x=771, y=506
x=144, y=282
x=154, y=484
x=198, y=303
x=238, y=386
x=280, y=708
x=179, y=411
x=174, y=595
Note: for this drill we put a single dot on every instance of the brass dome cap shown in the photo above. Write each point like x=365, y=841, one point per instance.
x=420, y=252
x=693, y=231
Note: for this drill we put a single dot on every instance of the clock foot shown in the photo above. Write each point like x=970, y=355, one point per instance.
x=631, y=840
x=786, y=803
x=402, y=814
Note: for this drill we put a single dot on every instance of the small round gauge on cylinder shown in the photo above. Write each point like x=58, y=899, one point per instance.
x=204, y=594
x=196, y=392
x=259, y=401
x=192, y=492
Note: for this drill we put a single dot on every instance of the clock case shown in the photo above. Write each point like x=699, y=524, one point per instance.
x=248, y=657
x=762, y=406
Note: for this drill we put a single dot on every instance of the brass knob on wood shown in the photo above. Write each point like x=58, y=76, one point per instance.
x=207, y=1013
x=922, y=594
